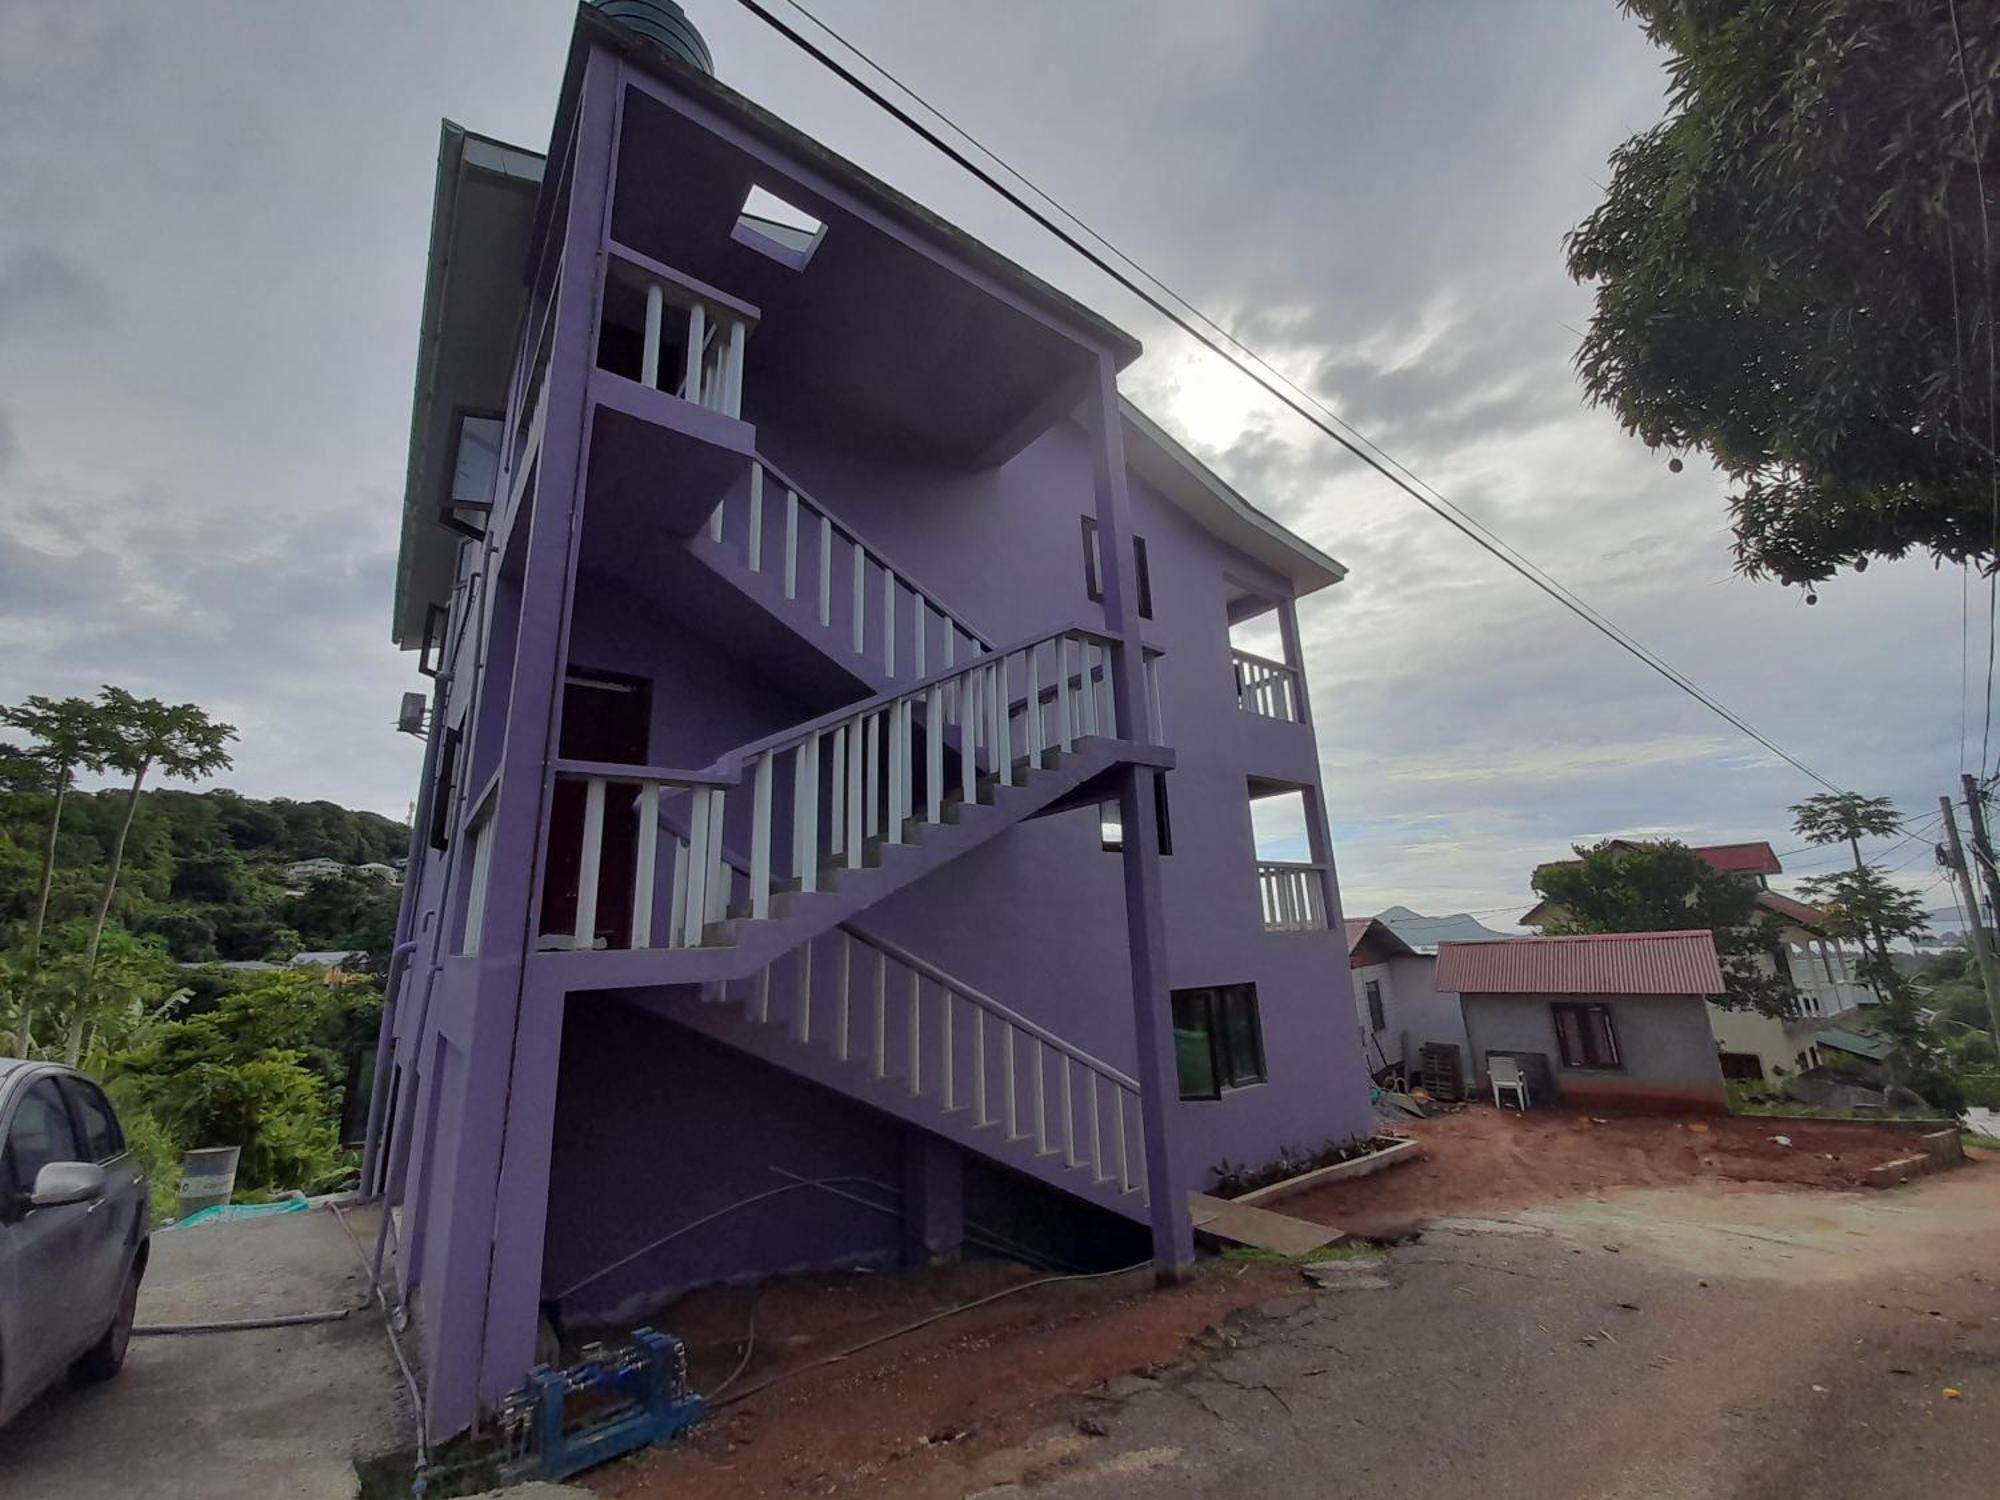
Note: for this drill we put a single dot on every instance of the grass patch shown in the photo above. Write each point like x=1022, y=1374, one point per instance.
x=1251, y=1255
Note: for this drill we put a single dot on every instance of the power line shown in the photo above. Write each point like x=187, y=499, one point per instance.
x=1272, y=381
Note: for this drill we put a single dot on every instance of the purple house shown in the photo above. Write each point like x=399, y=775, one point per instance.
x=835, y=841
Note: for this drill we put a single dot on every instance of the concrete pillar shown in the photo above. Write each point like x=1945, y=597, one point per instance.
x=933, y=1200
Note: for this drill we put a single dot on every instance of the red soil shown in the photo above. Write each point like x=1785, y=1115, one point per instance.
x=1483, y=1160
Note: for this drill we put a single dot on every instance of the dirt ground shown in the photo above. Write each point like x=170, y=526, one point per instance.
x=952, y=1397
x=980, y=1379
x=1484, y=1158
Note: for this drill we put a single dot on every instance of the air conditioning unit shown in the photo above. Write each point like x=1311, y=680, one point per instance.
x=410, y=717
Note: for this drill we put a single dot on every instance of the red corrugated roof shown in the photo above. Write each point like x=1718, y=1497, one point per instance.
x=1790, y=910
x=1617, y=963
x=1739, y=859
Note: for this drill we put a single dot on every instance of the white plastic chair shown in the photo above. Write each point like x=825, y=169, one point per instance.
x=1506, y=1074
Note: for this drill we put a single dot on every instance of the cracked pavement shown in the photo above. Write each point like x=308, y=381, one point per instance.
x=1685, y=1342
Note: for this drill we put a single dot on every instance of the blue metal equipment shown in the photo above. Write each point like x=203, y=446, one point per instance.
x=607, y=1404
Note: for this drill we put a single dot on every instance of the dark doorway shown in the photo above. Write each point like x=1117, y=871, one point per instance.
x=605, y=717
x=1742, y=1067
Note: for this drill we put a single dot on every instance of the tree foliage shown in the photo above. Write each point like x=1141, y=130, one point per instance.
x=1621, y=886
x=1795, y=273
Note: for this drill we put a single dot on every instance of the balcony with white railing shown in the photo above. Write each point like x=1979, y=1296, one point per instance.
x=692, y=336
x=1265, y=687
x=829, y=795
x=1292, y=895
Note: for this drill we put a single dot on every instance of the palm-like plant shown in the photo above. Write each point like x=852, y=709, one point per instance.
x=67, y=735
x=182, y=742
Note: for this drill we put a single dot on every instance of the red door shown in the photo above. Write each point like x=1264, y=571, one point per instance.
x=605, y=718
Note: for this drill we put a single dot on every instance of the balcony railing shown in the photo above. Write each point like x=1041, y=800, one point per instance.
x=848, y=777
x=890, y=615
x=713, y=328
x=1266, y=687
x=1293, y=896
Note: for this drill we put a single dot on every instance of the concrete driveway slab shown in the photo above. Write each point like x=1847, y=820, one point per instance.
x=228, y=1416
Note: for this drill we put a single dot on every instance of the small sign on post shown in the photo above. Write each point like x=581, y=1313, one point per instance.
x=208, y=1178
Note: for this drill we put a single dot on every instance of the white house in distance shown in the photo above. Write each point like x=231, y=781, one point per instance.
x=1397, y=1005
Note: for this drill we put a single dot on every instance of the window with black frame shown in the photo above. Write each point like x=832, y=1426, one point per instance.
x=1218, y=1040
x=1585, y=1036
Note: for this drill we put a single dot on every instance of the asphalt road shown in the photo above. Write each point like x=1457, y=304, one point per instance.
x=227, y=1416
x=1684, y=1343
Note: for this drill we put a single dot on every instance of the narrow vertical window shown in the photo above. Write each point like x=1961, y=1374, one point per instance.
x=1377, y=1020
x=1093, y=562
x=1160, y=812
x=441, y=789
x=1145, y=578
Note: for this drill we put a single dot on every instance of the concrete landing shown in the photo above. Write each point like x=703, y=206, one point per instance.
x=1258, y=1228
x=227, y=1416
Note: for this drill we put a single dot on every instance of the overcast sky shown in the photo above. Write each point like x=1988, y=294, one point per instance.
x=213, y=219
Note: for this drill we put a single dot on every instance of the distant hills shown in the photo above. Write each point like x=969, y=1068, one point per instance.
x=1425, y=933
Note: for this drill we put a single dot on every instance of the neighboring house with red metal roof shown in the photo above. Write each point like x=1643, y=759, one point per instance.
x=1607, y=1021
x=1754, y=1045
x=1397, y=1003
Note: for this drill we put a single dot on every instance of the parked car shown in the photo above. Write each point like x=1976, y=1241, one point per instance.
x=74, y=1212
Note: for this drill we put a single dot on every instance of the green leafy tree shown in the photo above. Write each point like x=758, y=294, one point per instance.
x=1862, y=907
x=1622, y=886
x=348, y=911
x=66, y=735
x=1795, y=273
x=178, y=739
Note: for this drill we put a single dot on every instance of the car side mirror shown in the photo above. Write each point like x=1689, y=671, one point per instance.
x=63, y=1182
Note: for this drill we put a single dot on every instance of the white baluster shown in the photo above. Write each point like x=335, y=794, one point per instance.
x=732, y=385
x=697, y=865
x=1003, y=703
x=643, y=880
x=697, y=341
x=1065, y=719
x=979, y=1067
x=593, y=854
x=968, y=737
x=760, y=837
x=805, y=812
x=677, y=898
x=759, y=1008
x=1013, y=1116
x=888, y=622
x=718, y=875
x=1031, y=719
x=1096, y=1130
x=892, y=831
x=837, y=803
x=934, y=754
x=923, y=618
x=1118, y=1139
x=947, y=1090
x=791, y=544
x=860, y=598
x=1069, y=1116
x=1041, y=1101
x=1087, y=685
x=856, y=836
x=872, y=781
x=825, y=571
x=649, y=361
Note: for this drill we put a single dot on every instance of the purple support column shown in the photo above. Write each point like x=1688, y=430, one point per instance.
x=1145, y=921
x=482, y=1317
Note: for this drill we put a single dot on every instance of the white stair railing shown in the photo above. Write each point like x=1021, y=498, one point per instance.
x=826, y=794
x=1293, y=896
x=876, y=1005
x=1265, y=687
x=889, y=616
x=712, y=327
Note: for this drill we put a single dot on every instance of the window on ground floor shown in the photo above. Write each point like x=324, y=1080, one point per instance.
x=1585, y=1036
x=1218, y=1039
x=1377, y=1021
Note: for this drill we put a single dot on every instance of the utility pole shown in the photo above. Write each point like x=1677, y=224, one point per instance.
x=1982, y=948
x=1982, y=846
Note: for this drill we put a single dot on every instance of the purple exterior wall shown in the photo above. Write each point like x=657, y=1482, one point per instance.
x=537, y=1134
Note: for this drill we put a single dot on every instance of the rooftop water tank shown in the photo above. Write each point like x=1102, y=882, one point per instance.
x=661, y=21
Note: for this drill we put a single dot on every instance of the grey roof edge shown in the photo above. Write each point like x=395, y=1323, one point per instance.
x=1315, y=561
x=453, y=138
x=899, y=205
